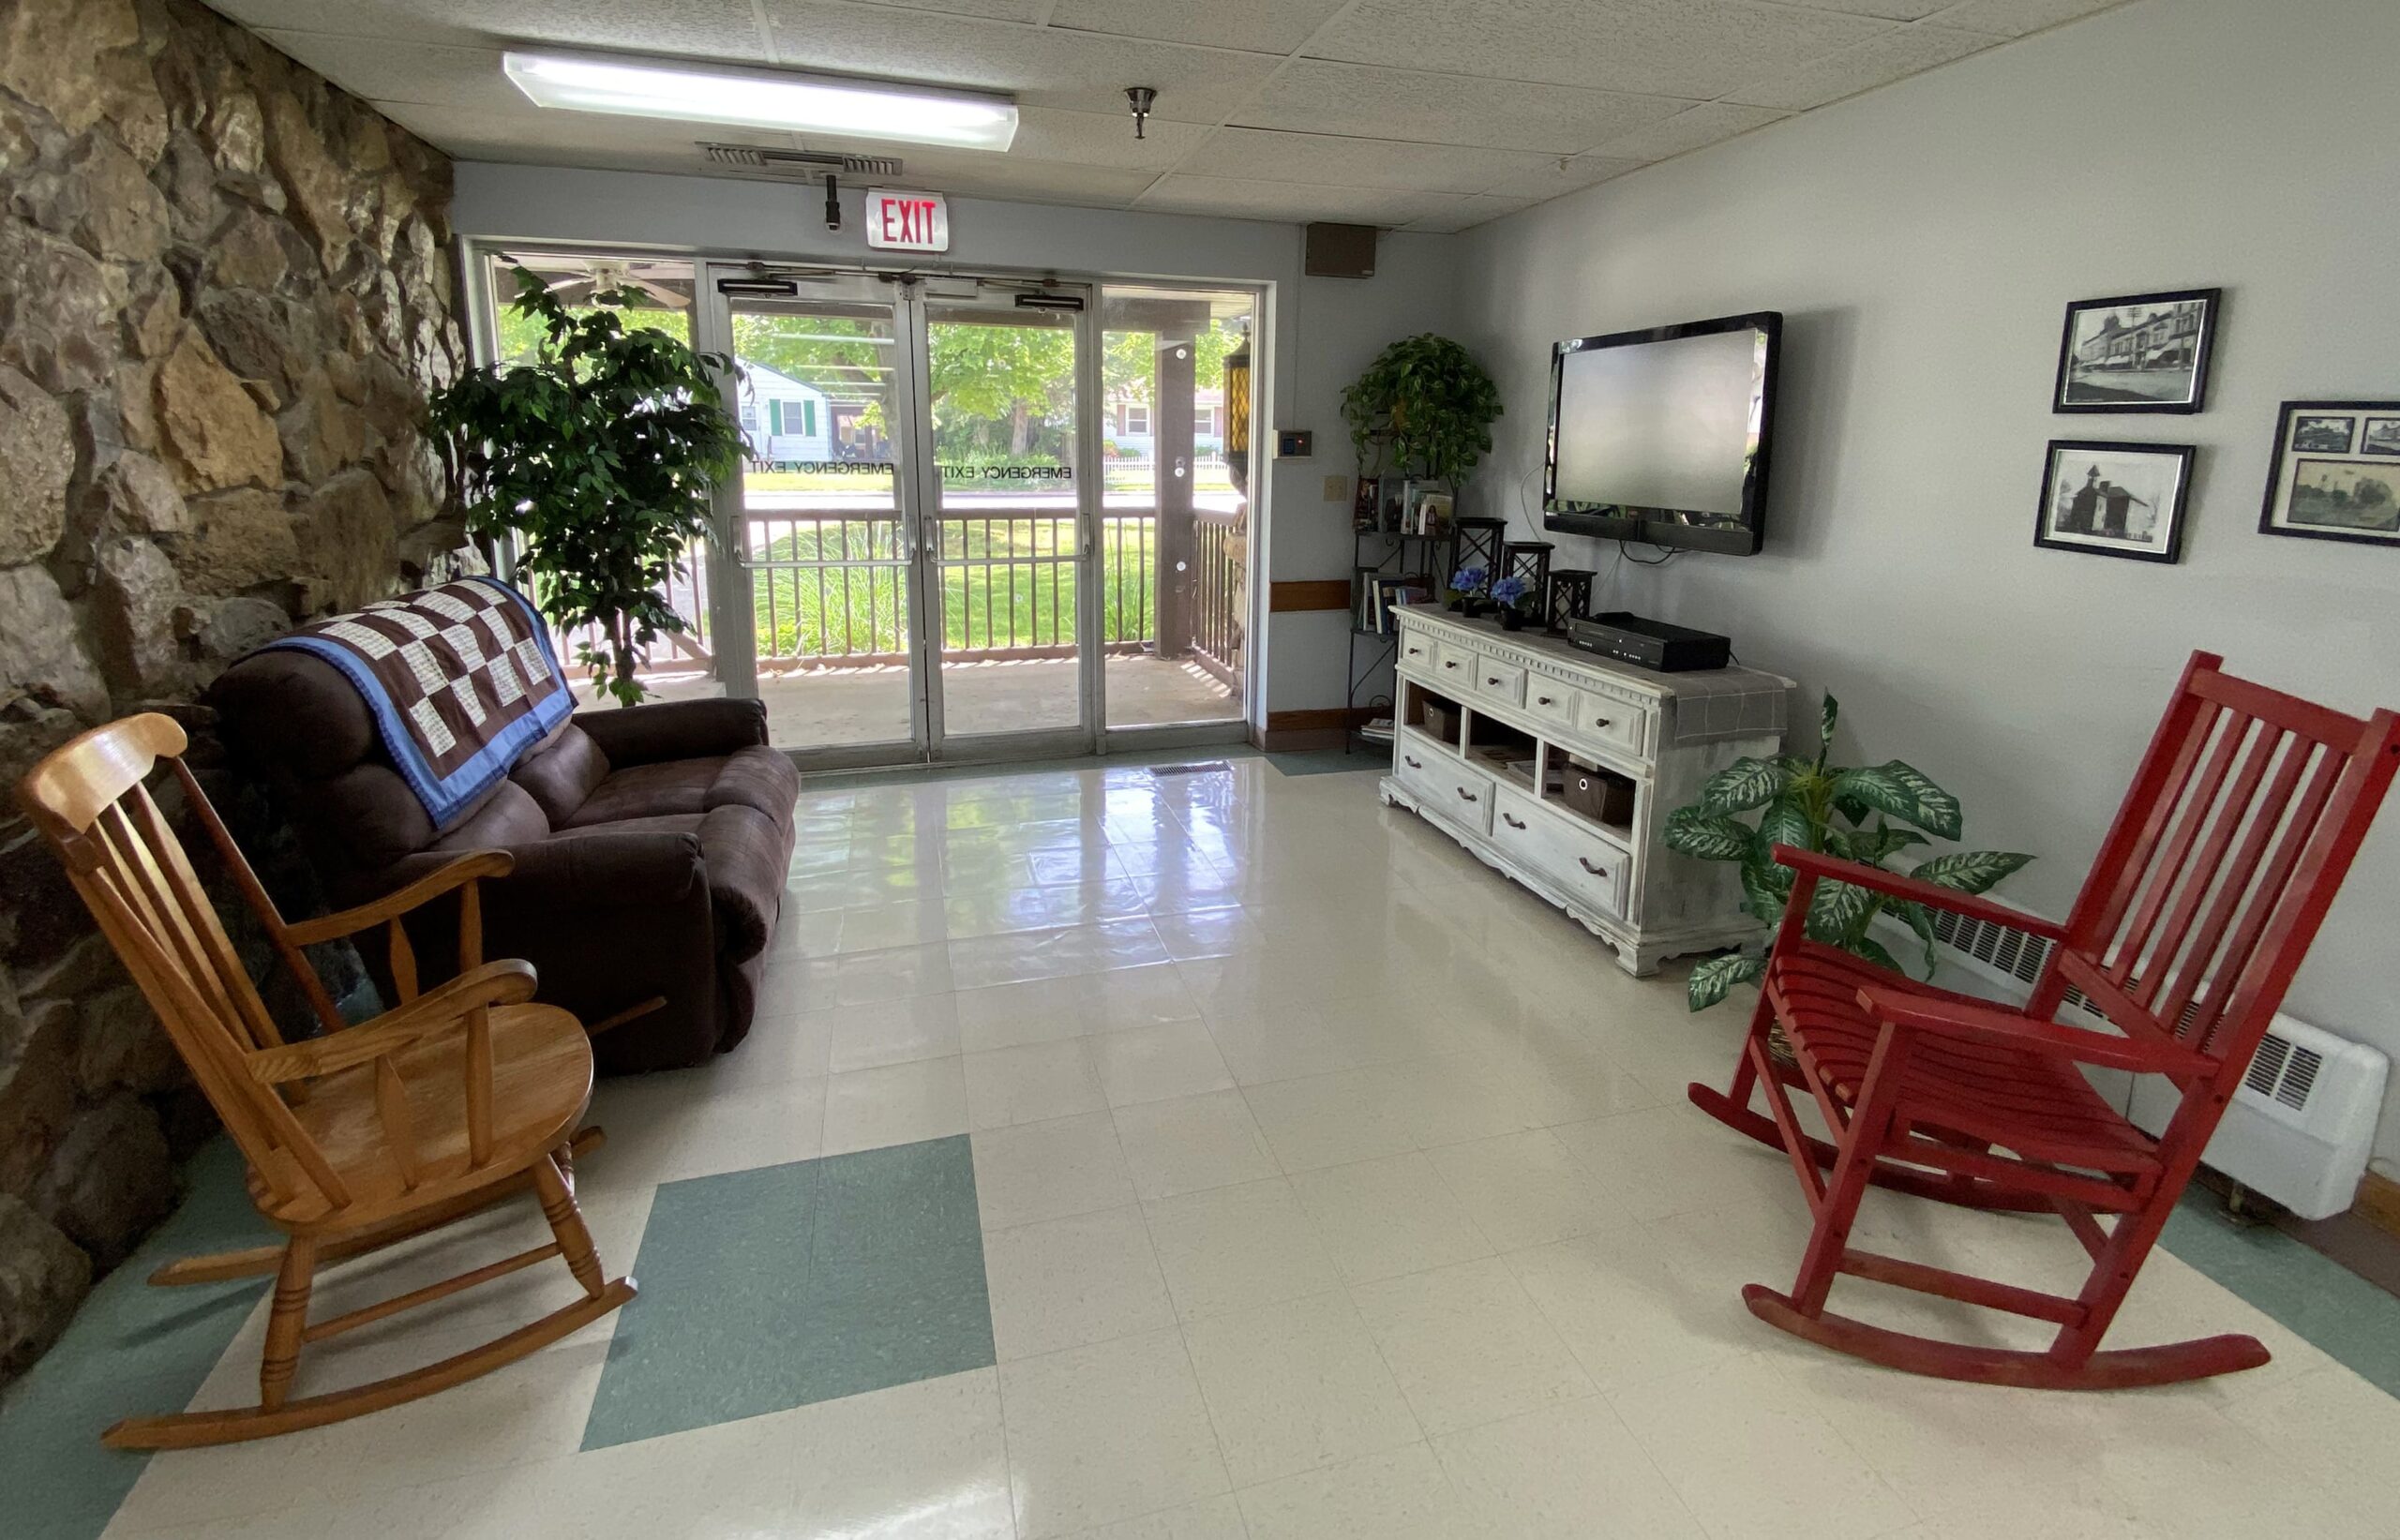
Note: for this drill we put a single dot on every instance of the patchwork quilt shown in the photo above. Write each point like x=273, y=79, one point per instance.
x=459, y=679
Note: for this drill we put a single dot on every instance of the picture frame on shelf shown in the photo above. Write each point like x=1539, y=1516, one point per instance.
x=2111, y=498
x=2335, y=473
x=1431, y=515
x=1366, y=503
x=2136, y=353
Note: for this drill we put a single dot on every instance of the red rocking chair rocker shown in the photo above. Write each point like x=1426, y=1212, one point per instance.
x=2241, y=823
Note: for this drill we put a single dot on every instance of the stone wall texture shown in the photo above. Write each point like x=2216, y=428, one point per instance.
x=224, y=289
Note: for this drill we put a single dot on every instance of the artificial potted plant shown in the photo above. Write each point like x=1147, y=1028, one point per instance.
x=1422, y=410
x=600, y=454
x=1864, y=813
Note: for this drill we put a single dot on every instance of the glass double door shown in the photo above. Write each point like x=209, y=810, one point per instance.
x=909, y=569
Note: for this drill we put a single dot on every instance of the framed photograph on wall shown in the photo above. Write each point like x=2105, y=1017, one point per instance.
x=2336, y=473
x=2136, y=353
x=2114, y=499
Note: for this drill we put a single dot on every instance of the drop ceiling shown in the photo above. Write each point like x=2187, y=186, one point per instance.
x=1415, y=114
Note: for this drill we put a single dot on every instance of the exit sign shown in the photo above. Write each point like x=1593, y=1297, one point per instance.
x=907, y=221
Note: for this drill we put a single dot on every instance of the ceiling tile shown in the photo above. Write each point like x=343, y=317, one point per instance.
x=1563, y=176
x=1467, y=212
x=1041, y=67
x=2015, y=18
x=1875, y=62
x=1313, y=95
x=1289, y=203
x=1103, y=138
x=998, y=10
x=723, y=29
x=1331, y=160
x=1890, y=10
x=1268, y=26
x=435, y=74
x=1671, y=48
x=1703, y=125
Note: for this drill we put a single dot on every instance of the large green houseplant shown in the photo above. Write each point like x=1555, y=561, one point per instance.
x=1427, y=405
x=1864, y=813
x=600, y=453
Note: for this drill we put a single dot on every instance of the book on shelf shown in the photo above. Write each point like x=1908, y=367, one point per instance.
x=1377, y=729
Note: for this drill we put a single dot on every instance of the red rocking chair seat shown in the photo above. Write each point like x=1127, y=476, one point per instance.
x=2039, y=1106
x=2242, y=818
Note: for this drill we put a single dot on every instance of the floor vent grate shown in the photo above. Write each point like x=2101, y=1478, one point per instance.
x=1205, y=767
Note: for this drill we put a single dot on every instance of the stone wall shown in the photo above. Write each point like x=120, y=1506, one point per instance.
x=224, y=288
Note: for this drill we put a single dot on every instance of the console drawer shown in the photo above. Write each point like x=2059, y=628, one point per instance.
x=1460, y=794
x=1415, y=649
x=1549, y=702
x=1608, y=720
x=1454, y=665
x=1586, y=866
x=1502, y=682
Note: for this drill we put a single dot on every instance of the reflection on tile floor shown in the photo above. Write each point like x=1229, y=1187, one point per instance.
x=1325, y=1186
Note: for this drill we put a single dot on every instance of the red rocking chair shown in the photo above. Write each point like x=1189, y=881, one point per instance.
x=2241, y=823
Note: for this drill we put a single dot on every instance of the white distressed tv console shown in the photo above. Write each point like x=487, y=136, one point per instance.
x=1488, y=725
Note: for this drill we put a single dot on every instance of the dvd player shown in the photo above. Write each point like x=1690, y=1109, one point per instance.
x=1632, y=638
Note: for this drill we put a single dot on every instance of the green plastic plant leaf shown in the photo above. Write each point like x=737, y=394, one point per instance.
x=1838, y=911
x=1969, y=871
x=1744, y=785
x=1710, y=836
x=1787, y=822
x=1764, y=887
x=1917, y=918
x=1873, y=845
x=1827, y=716
x=1875, y=952
x=1713, y=977
x=1902, y=792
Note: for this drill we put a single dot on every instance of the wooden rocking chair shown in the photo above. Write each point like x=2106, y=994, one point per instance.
x=455, y=1099
x=2241, y=823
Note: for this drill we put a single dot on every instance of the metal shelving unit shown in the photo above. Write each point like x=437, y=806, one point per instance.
x=1370, y=652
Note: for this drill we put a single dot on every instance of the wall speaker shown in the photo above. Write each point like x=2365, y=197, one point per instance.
x=1339, y=251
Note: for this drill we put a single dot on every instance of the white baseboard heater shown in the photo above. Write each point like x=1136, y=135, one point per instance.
x=2298, y=1129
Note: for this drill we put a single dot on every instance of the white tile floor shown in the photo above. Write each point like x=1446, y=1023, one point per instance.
x=1330, y=1187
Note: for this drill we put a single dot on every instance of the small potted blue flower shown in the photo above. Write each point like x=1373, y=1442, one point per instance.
x=1513, y=595
x=1467, y=585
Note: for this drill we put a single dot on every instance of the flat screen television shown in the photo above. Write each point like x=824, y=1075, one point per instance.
x=1663, y=435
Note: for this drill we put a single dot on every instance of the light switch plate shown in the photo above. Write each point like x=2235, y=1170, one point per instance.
x=1337, y=488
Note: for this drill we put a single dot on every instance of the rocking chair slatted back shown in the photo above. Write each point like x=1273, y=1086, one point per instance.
x=2239, y=828
x=90, y=802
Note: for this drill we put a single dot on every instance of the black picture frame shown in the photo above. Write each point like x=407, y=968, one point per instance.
x=2053, y=533
x=2122, y=399
x=2288, y=463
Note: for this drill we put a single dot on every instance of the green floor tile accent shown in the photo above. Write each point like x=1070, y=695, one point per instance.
x=1334, y=762
x=2311, y=1294
x=784, y=1285
x=132, y=1350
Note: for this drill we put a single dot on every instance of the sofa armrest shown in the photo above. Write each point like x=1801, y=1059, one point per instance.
x=674, y=729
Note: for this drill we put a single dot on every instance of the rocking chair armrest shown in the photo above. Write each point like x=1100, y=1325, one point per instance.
x=457, y=873
x=444, y=1007
x=1932, y=894
x=2006, y=1028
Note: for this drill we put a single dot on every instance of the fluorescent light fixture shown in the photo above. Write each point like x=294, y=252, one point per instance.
x=763, y=98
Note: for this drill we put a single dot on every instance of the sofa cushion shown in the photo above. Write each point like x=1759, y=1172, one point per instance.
x=508, y=816
x=761, y=778
x=665, y=789
x=562, y=775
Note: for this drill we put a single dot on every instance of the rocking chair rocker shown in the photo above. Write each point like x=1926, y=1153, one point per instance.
x=2241, y=822
x=452, y=1101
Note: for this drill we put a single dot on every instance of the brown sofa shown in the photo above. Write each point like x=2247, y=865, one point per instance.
x=652, y=849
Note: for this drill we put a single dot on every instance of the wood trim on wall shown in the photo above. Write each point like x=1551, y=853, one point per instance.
x=2379, y=1199
x=1310, y=593
x=1318, y=727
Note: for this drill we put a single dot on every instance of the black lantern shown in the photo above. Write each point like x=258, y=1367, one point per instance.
x=1528, y=561
x=1569, y=596
x=1476, y=543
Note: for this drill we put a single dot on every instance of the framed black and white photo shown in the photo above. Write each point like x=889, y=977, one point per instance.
x=2137, y=352
x=2336, y=473
x=2114, y=499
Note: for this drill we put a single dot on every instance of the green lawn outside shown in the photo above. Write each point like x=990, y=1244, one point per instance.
x=822, y=612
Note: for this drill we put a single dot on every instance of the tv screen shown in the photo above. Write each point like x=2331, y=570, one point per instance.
x=1661, y=435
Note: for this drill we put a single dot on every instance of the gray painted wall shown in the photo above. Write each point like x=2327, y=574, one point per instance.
x=1325, y=330
x=1922, y=242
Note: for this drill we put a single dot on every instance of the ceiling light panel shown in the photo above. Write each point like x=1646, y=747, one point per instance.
x=685, y=92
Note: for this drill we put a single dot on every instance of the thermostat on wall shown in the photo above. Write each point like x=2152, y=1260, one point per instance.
x=1295, y=443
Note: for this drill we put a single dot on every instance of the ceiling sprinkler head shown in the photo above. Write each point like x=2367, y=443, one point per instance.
x=1139, y=97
